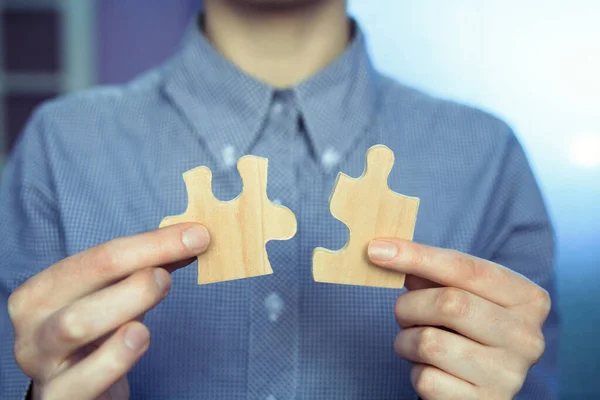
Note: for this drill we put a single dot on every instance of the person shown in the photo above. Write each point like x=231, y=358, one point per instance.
x=100, y=303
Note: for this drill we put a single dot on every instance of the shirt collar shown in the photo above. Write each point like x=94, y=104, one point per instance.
x=228, y=108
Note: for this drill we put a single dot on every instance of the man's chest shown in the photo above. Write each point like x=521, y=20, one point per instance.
x=263, y=335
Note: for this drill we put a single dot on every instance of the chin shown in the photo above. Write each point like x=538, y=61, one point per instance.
x=275, y=3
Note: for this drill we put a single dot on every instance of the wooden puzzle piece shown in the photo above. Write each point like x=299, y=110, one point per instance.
x=239, y=228
x=370, y=210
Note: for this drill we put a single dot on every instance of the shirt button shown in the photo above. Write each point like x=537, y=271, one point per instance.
x=277, y=108
x=330, y=158
x=271, y=397
x=274, y=305
x=228, y=154
x=277, y=202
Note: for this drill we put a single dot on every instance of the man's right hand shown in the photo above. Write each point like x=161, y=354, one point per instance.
x=78, y=324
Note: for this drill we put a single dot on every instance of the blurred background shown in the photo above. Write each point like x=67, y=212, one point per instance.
x=534, y=63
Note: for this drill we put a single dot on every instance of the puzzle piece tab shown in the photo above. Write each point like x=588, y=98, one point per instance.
x=239, y=228
x=370, y=210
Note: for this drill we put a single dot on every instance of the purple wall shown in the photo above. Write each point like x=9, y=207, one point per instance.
x=135, y=35
x=30, y=45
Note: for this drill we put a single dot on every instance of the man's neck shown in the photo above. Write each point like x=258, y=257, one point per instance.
x=279, y=45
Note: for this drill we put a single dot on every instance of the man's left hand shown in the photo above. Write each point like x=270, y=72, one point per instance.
x=471, y=328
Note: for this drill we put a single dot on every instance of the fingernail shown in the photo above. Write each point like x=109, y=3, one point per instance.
x=380, y=250
x=160, y=276
x=136, y=337
x=196, y=239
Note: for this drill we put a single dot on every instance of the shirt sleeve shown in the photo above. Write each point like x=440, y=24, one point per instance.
x=521, y=237
x=30, y=235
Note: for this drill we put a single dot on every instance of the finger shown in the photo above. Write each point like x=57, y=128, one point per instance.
x=102, y=265
x=461, y=311
x=452, y=268
x=413, y=282
x=434, y=384
x=95, y=374
x=177, y=265
x=451, y=353
x=102, y=312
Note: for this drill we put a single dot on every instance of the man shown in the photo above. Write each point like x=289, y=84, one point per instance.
x=100, y=302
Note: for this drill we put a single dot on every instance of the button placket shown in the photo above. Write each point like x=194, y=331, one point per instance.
x=274, y=320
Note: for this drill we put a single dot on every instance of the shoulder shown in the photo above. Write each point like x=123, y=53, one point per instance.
x=92, y=129
x=442, y=120
x=101, y=119
x=459, y=146
x=104, y=102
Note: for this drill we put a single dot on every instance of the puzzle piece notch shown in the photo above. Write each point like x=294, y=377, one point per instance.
x=370, y=210
x=239, y=228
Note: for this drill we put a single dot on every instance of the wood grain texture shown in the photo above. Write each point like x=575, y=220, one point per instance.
x=370, y=210
x=239, y=228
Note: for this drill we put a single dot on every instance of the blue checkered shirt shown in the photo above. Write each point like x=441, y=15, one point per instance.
x=108, y=162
